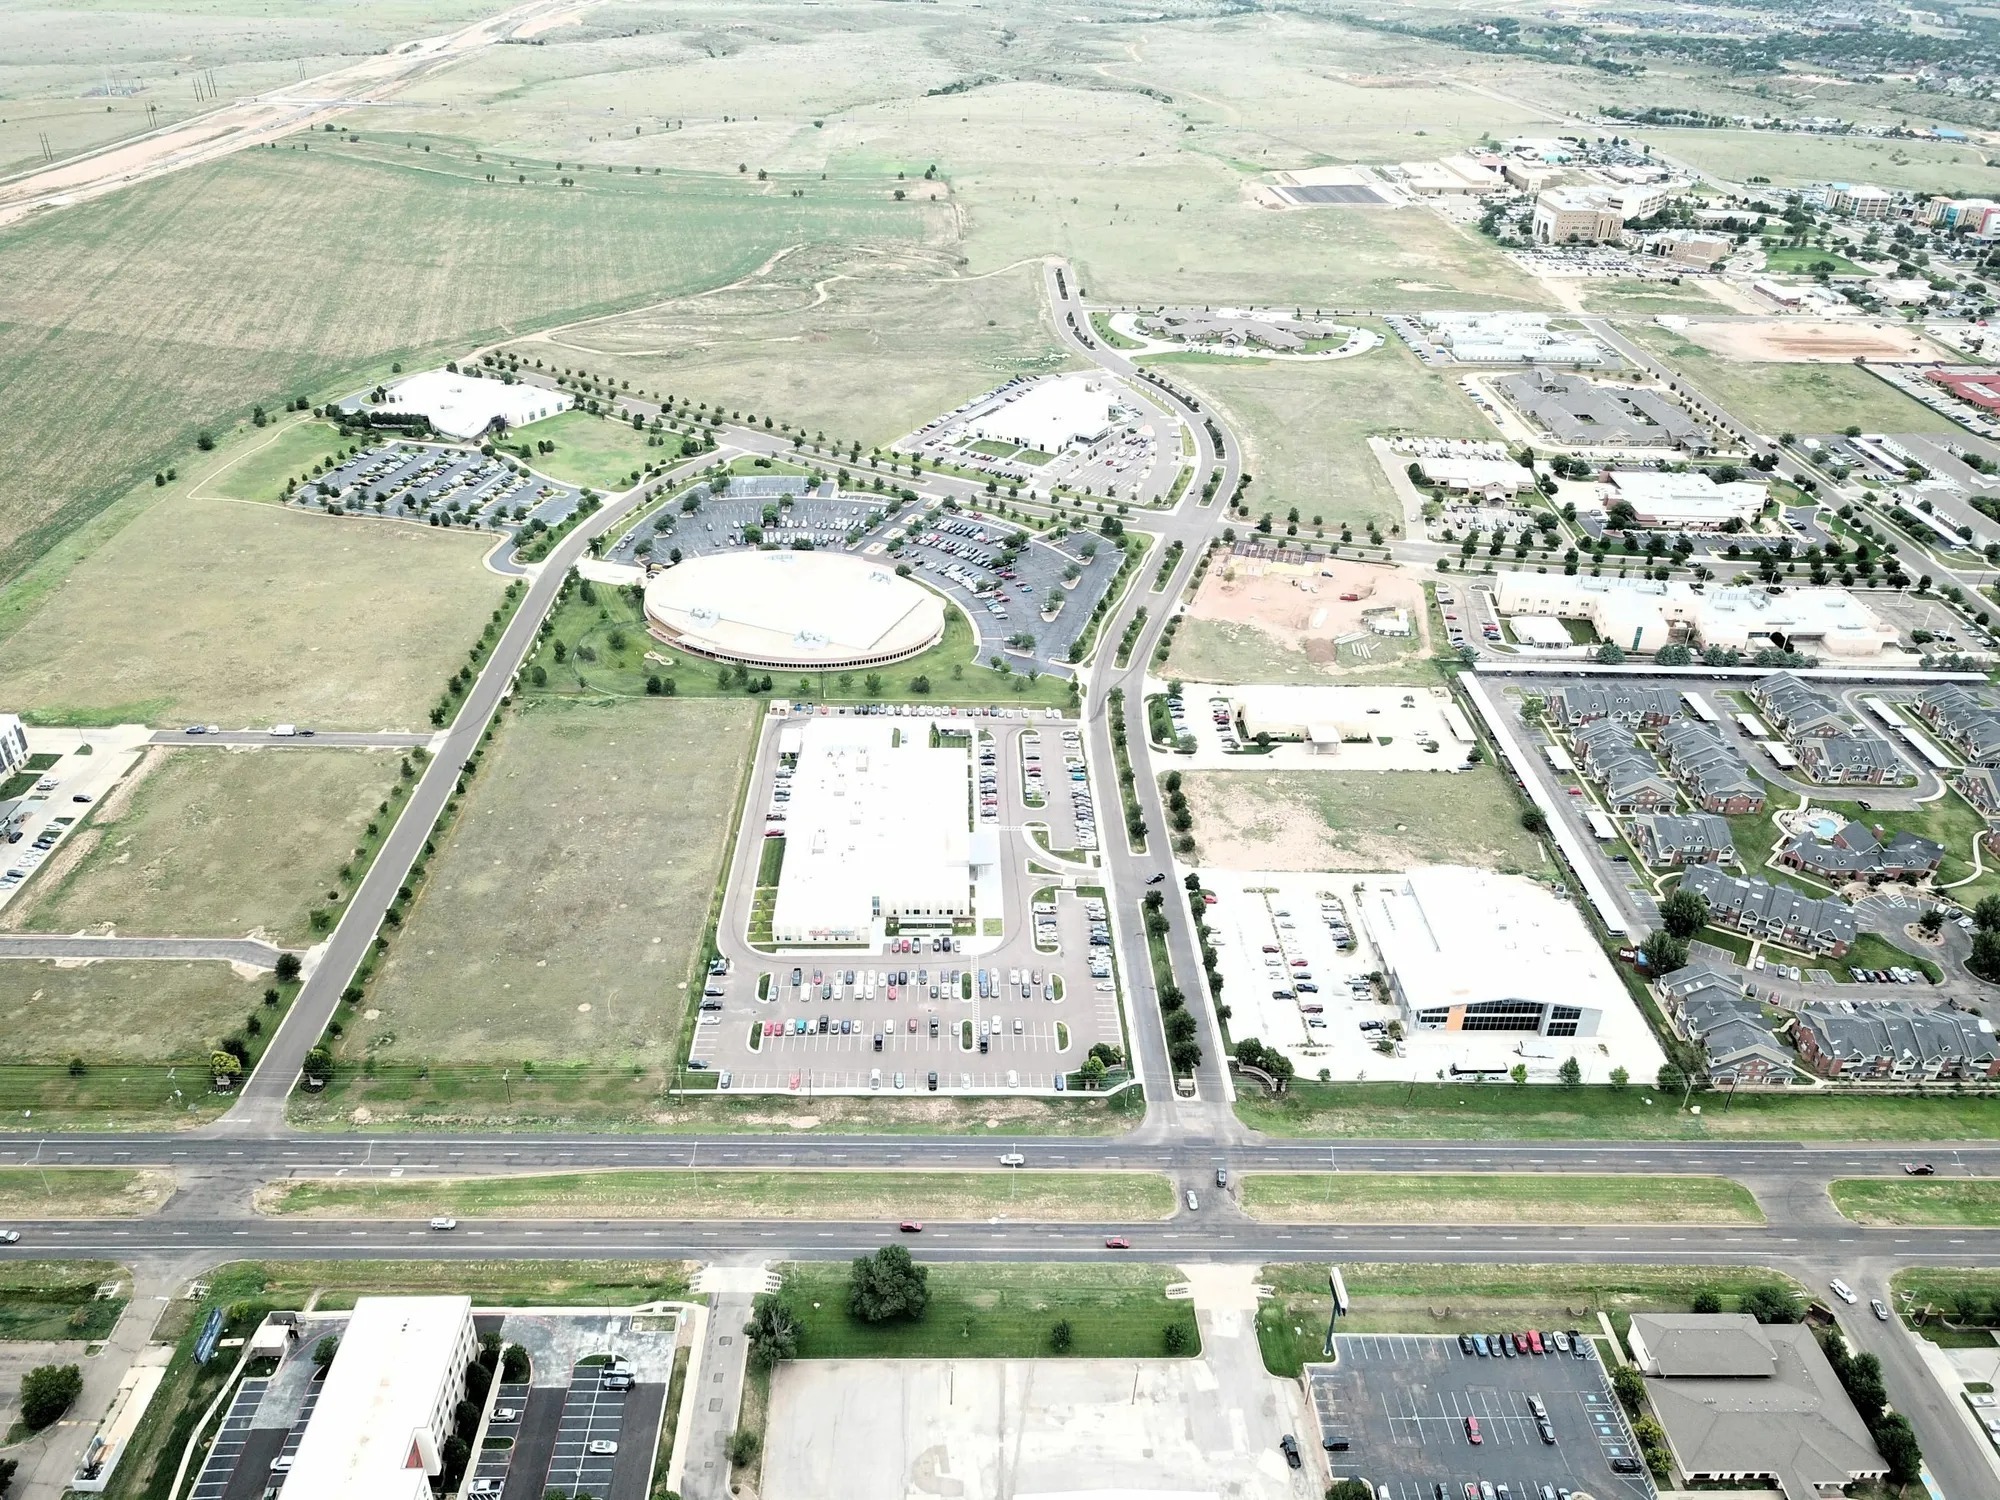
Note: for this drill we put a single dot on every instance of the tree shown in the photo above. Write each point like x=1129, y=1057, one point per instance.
x=1061, y=1336
x=1706, y=1301
x=1664, y=952
x=489, y=1348
x=1610, y=653
x=745, y=1445
x=1622, y=516
x=1675, y=655
x=1535, y=820
x=1571, y=1073
x=7, y=1468
x=1684, y=912
x=1620, y=1078
x=1350, y=1489
x=318, y=1066
x=324, y=1351
x=226, y=1068
x=46, y=1393
x=1898, y=1444
x=1771, y=1304
x=1630, y=1386
x=288, y=967
x=773, y=1331
x=1932, y=922
x=887, y=1285
x=514, y=1365
x=1985, y=959
x=1986, y=915
x=456, y=1454
x=1174, y=1337
x=1519, y=1073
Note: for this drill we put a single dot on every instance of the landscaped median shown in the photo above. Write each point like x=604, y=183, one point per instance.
x=1949, y=1202
x=1490, y=1198
x=961, y=1196
x=82, y=1192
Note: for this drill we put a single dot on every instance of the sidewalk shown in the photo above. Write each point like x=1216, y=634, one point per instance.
x=717, y=1375
x=51, y=1459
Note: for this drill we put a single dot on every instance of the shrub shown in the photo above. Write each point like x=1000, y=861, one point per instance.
x=46, y=1393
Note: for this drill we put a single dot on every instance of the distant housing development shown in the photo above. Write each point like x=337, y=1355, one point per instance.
x=1582, y=412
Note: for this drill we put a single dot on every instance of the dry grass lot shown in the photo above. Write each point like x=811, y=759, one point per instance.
x=560, y=919
x=212, y=843
x=246, y=614
x=1776, y=397
x=946, y=1196
x=1935, y=1202
x=81, y=1192
x=1437, y=1198
x=1359, y=821
x=110, y=1013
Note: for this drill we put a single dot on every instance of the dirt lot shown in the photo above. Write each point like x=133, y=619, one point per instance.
x=1798, y=341
x=1301, y=608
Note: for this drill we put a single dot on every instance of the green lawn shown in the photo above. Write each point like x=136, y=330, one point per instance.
x=601, y=453
x=1796, y=260
x=946, y=1196
x=998, y=1312
x=1926, y=1201
x=42, y=1299
x=1433, y=1198
x=1951, y=821
x=612, y=626
x=1466, y=1298
x=270, y=456
x=1388, y=820
x=1644, y=298
x=1776, y=397
x=1872, y=951
x=1507, y=1112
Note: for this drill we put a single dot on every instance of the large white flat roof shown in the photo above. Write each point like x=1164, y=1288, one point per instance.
x=464, y=405
x=1050, y=414
x=794, y=608
x=396, y=1354
x=878, y=822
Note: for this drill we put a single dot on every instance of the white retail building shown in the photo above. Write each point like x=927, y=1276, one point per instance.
x=1050, y=415
x=1641, y=614
x=878, y=825
x=1690, y=500
x=386, y=1405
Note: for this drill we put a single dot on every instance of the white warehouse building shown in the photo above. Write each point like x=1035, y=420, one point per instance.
x=878, y=825
x=386, y=1405
x=1502, y=971
x=1641, y=614
x=1691, y=500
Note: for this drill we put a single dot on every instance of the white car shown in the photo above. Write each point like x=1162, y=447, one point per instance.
x=442, y=1223
x=10, y=1236
x=602, y=1446
x=1843, y=1291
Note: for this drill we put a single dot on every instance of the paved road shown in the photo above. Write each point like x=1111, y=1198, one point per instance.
x=228, y=950
x=324, y=739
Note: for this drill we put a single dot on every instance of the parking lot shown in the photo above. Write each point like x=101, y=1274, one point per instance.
x=929, y=1011
x=439, y=483
x=1407, y=1406
x=588, y=1436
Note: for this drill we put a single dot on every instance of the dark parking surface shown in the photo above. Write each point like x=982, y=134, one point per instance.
x=1403, y=1403
x=591, y=1414
x=492, y=1465
x=631, y=1475
x=221, y=1463
x=534, y=1445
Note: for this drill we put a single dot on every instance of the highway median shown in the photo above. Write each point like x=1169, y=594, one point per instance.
x=82, y=1192
x=1490, y=1198
x=1933, y=1202
x=961, y=1196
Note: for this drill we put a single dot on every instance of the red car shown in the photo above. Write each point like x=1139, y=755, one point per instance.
x=1118, y=1242
x=1472, y=1435
x=911, y=1226
x=1520, y=1343
x=1535, y=1342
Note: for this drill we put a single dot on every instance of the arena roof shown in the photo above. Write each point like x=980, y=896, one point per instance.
x=793, y=609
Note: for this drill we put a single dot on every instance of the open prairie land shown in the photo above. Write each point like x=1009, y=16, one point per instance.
x=247, y=614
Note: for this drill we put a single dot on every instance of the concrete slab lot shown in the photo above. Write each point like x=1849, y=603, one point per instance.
x=997, y=1429
x=1403, y=1401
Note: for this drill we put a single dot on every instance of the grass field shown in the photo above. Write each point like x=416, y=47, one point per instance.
x=611, y=616
x=131, y=322
x=563, y=917
x=1437, y=1198
x=42, y=1299
x=1777, y=398
x=1790, y=160
x=1804, y=260
x=262, y=461
x=998, y=1312
x=1494, y=1112
x=1469, y=1298
x=1330, y=820
x=863, y=348
x=1305, y=428
x=1872, y=951
x=1932, y=1202
x=1223, y=651
x=213, y=843
x=598, y=452
x=246, y=614
x=947, y=1196
x=1644, y=298
x=81, y=1192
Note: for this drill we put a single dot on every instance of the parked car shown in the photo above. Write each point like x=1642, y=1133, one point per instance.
x=1289, y=1446
x=1472, y=1433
